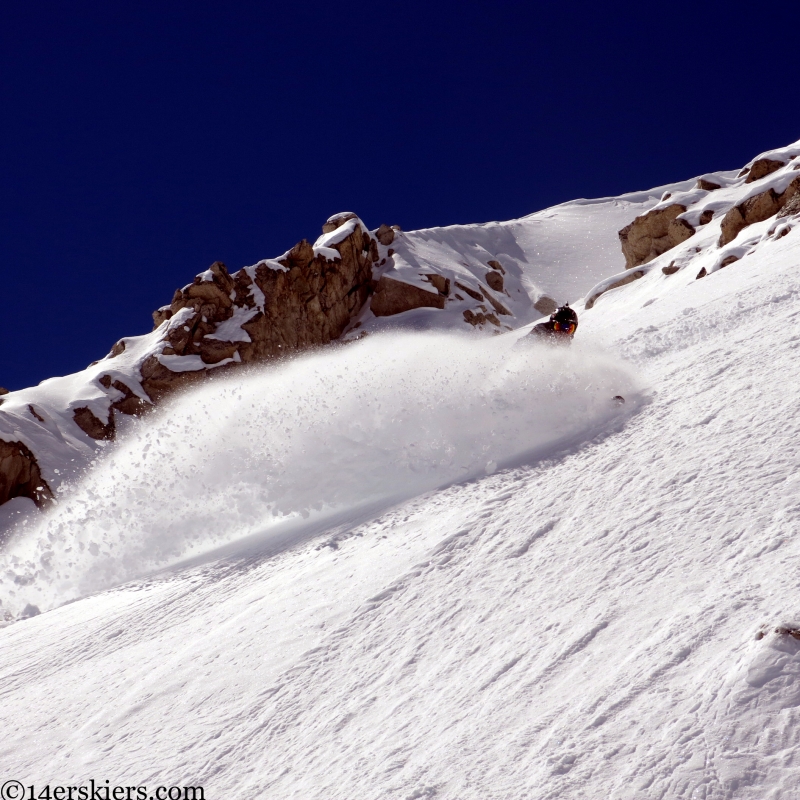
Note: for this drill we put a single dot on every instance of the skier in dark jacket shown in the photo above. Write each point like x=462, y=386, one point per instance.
x=559, y=329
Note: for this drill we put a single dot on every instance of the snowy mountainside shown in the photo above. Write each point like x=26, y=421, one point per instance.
x=612, y=614
x=602, y=623
x=722, y=218
x=557, y=253
x=65, y=422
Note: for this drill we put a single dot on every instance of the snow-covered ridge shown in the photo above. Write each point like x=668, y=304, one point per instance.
x=724, y=217
x=491, y=277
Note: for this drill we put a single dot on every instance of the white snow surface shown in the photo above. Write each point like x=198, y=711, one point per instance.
x=505, y=586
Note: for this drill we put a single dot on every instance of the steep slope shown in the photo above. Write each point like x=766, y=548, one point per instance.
x=722, y=219
x=482, y=277
x=589, y=626
x=618, y=619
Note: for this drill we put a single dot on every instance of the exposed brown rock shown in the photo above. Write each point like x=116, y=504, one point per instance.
x=763, y=167
x=732, y=223
x=92, y=426
x=652, y=234
x=545, y=305
x=701, y=274
x=394, y=297
x=441, y=283
x=494, y=280
x=480, y=318
x=498, y=307
x=671, y=269
x=20, y=475
x=34, y=413
x=118, y=348
x=130, y=403
x=756, y=209
x=3, y=390
x=633, y=276
x=706, y=216
x=308, y=303
x=160, y=315
x=709, y=186
x=791, y=207
x=728, y=260
x=385, y=235
x=158, y=381
x=471, y=292
x=496, y=265
x=336, y=222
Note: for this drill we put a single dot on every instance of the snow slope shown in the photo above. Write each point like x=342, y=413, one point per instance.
x=597, y=620
x=560, y=252
x=557, y=253
x=379, y=420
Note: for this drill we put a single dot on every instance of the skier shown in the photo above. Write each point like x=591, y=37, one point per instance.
x=559, y=329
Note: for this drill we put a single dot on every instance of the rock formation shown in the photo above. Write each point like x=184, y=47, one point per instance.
x=545, y=305
x=756, y=209
x=629, y=278
x=652, y=234
x=762, y=167
x=394, y=297
x=20, y=475
x=303, y=299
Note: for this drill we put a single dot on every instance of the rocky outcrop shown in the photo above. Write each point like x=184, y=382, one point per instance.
x=303, y=299
x=86, y=420
x=652, y=234
x=385, y=235
x=480, y=317
x=441, y=283
x=792, y=206
x=706, y=216
x=707, y=185
x=20, y=475
x=394, y=297
x=761, y=168
x=128, y=402
x=756, y=209
x=494, y=280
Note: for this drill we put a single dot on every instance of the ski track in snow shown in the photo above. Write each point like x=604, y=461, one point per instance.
x=583, y=627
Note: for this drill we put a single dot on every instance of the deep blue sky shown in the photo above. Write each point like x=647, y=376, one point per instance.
x=142, y=141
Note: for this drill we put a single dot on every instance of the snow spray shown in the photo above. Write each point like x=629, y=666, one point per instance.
x=385, y=418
